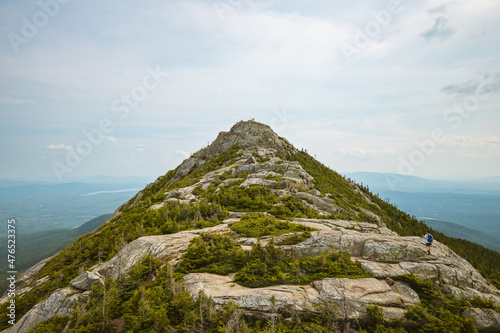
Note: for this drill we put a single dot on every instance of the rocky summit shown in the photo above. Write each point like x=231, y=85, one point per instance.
x=251, y=234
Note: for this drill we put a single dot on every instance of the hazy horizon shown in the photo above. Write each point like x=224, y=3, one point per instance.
x=151, y=178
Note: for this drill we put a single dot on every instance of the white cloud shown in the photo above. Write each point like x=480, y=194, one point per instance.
x=109, y=138
x=138, y=150
x=492, y=140
x=184, y=154
x=58, y=147
x=439, y=30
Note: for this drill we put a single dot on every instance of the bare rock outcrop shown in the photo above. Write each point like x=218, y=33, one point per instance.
x=86, y=280
x=61, y=302
x=254, y=301
x=347, y=298
x=389, y=255
x=485, y=319
x=245, y=134
x=169, y=247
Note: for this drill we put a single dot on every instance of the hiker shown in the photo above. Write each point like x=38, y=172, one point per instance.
x=428, y=241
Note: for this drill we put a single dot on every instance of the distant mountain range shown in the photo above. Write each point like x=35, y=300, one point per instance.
x=400, y=183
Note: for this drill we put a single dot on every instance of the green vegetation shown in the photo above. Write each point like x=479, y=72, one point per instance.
x=218, y=161
x=256, y=198
x=151, y=299
x=435, y=313
x=295, y=238
x=36, y=246
x=234, y=198
x=55, y=324
x=258, y=225
x=136, y=220
x=218, y=254
x=377, y=323
x=226, y=175
x=275, y=177
x=268, y=265
x=328, y=181
x=148, y=300
x=263, y=265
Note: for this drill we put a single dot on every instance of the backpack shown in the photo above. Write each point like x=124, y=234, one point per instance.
x=430, y=238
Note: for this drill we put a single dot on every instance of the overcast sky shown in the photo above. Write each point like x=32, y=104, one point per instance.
x=131, y=88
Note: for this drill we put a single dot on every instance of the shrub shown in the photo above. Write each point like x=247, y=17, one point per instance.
x=270, y=266
x=295, y=238
x=54, y=325
x=258, y=225
x=210, y=253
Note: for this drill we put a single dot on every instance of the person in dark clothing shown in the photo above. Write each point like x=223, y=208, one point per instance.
x=428, y=241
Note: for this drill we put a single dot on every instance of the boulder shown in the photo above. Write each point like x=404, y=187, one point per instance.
x=407, y=295
x=60, y=303
x=353, y=295
x=485, y=319
x=187, y=166
x=320, y=203
x=259, y=181
x=389, y=251
x=381, y=269
x=389, y=255
x=86, y=280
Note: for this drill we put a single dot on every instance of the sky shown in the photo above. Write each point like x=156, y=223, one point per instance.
x=129, y=88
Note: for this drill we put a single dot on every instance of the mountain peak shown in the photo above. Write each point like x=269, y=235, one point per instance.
x=246, y=134
x=250, y=126
x=236, y=219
